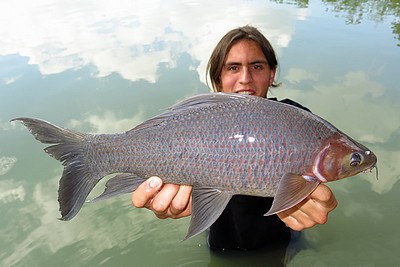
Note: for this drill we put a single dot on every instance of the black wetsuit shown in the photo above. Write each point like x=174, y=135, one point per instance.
x=243, y=226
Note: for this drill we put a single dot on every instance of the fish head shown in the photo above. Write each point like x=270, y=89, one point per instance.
x=342, y=157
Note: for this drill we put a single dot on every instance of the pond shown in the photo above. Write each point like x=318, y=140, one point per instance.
x=105, y=66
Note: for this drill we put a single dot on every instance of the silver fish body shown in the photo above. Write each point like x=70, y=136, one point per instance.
x=222, y=144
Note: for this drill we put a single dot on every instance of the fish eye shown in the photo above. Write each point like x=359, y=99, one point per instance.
x=355, y=159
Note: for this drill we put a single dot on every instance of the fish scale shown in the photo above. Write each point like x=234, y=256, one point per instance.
x=221, y=144
x=179, y=142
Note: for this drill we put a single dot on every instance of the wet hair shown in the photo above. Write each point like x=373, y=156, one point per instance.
x=218, y=56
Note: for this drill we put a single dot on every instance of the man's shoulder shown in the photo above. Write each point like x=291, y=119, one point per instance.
x=290, y=102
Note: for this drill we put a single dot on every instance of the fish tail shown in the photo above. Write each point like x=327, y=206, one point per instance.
x=68, y=147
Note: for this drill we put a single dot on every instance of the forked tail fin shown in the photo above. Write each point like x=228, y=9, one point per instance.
x=68, y=147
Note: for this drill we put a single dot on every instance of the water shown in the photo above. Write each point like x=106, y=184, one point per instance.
x=105, y=66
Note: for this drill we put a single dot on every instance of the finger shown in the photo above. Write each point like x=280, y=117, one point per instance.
x=296, y=219
x=181, y=204
x=306, y=214
x=310, y=213
x=143, y=195
x=161, y=202
x=291, y=222
x=323, y=196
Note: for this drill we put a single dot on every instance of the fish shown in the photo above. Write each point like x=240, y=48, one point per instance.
x=222, y=144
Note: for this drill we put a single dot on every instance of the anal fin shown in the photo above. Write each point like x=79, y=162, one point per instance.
x=120, y=184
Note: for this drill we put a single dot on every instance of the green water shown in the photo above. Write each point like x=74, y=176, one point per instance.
x=105, y=66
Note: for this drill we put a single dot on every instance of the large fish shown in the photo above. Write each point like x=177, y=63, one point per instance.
x=222, y=144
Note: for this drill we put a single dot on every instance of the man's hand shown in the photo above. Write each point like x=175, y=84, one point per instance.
x=165, y=200
x=311, y=211
x=175, y=201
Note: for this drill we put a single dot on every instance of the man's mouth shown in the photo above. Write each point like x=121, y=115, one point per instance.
x=245, y=92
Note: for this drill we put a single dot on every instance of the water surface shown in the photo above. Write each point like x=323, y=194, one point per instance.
x=105, y=66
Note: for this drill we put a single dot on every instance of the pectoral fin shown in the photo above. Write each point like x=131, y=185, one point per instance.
x=292, y=189
x=207, y=205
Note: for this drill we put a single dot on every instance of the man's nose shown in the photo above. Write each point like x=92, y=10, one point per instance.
x=245, y=76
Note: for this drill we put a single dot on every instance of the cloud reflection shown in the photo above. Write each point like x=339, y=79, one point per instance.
x=11, y=191
x=11, y=79
x=50, y=235
x=108, y=122
x=6, y=163
x=131, y=38
x=358, y=111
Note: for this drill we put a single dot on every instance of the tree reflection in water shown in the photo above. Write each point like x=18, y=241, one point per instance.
x=355, y=11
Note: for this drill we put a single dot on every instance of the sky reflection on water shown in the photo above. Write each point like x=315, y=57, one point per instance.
x=104, y=66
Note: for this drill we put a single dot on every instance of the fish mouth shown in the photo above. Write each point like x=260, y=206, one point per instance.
x=369, y=170
x=370, y=156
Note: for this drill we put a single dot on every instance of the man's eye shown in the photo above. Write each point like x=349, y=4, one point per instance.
x=233, y=68
x=257, y=67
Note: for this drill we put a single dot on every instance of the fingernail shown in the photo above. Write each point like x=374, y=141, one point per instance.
x=154, y=182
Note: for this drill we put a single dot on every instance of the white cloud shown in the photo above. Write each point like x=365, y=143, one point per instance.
x=11, y=79
x=107, y=122
x=6, y=163
x=296, y=75
x=131, y=38
x=11, y=191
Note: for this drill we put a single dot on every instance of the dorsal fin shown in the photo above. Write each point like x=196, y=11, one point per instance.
x=192, y=103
